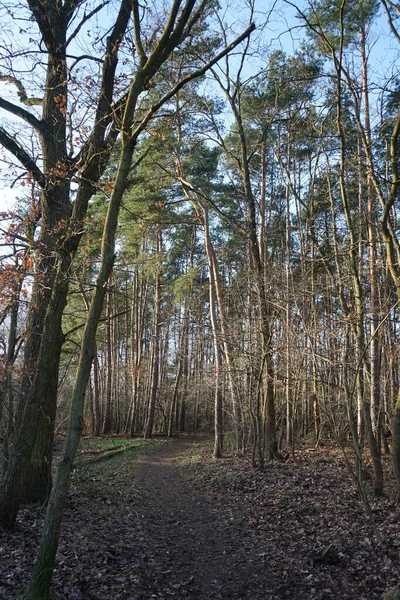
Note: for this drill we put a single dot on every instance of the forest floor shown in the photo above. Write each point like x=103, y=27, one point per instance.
x=168, y=522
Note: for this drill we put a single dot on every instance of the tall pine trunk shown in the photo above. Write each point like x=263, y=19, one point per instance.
x=155, y=362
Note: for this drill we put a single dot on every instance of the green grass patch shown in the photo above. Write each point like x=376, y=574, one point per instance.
x=97, y=445
x=194, y=458
x=105, y=472
x=103, y=444
x=98, y=456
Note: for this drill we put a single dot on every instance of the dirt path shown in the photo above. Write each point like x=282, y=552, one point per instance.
x=135, y=528
x=196, y=551
x=157, y=525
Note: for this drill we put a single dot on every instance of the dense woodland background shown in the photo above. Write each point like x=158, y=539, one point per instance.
x=256, y=268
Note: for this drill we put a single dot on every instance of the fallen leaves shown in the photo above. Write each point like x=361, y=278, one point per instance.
x=161, y=525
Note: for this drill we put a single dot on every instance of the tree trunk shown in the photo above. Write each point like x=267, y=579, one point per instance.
x=6, y=387
x=38, y=478
x=38, y=588
x=155, y=344
x=107, y=423
x=271, y=442
x=396, y=444
x=375, y=393
x=13, y=484
x=96, y=425
x=357, y=319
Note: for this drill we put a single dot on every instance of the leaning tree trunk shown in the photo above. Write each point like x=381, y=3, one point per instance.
x=218, y=398
x=42, y=573
x=39, y=585
x=223, y=323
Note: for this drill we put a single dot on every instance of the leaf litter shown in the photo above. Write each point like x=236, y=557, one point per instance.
x=171, y=523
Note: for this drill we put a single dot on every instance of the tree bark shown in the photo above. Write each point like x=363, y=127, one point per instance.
x=155, y=344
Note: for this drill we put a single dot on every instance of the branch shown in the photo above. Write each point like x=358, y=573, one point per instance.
x=15, y=236
x=22, y=95
x=395, y=7
x=18, y=111
x=68, y=8
x=170, y=38
x=185, y=21
x=102, y=320
x=186, y=185
x=27, y=161
x=395, y=172
x=390, y=18
x=104, y=107
x=188, y=78
x=196, y=16
x=137, y=33
x=170, y=24
x=242, y=61
x=83, y=57
x=86, y=18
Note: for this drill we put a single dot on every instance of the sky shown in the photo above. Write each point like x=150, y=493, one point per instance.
x=7, y=198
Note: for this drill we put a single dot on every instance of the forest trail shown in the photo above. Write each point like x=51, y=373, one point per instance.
x=196, y=551
x=137, y=527
x=163, y=521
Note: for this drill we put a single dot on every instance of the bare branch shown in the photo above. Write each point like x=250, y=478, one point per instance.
x=169, y=38
x=171, y=23
x=196, y=16
x=104, y=107
x=27, y=161
x=191, y=189
x=83, y=57
x=395, y=6
x=18, y=111
x=137, y=33
x=22, y=95
x=95, y=153
x=392, y=26
x=86, y=18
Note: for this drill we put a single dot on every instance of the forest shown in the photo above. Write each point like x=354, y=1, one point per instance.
x=203, y=244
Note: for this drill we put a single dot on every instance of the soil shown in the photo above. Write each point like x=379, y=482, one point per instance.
x=170, y=522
